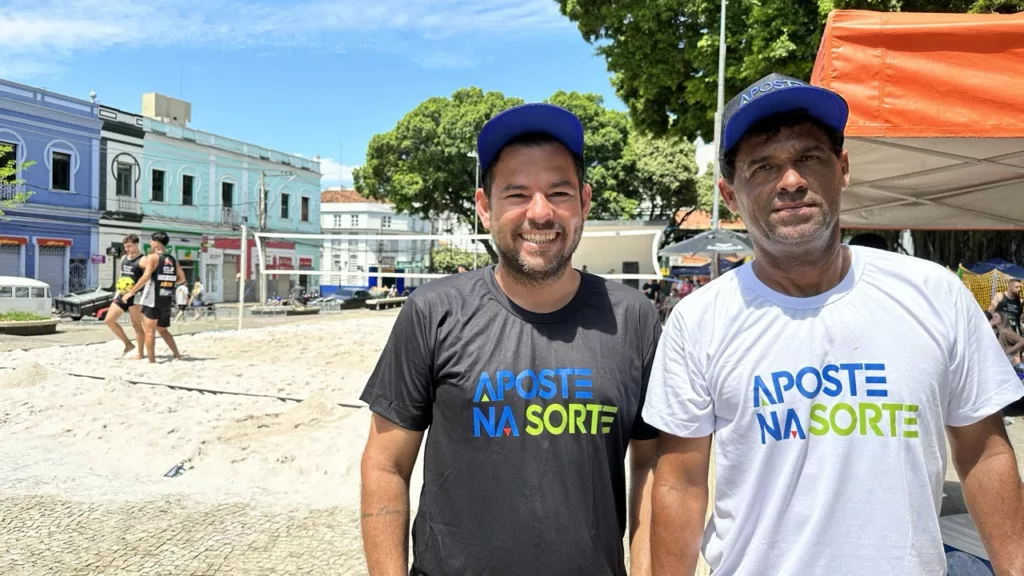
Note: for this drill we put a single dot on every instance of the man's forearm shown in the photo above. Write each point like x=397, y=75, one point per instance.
x=641, y=482
x=677, y=527
x=385, y=523
x=995, y=499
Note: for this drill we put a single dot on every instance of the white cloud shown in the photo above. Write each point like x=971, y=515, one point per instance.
x=334, y=173
x=705, y=156
x=48, y=31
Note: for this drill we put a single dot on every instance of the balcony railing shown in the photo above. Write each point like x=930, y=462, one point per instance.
x=124, y=204
x=230, y=216
x=8, y=191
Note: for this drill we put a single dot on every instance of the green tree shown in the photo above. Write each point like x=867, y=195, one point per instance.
x=663, y=54
x=447, y=259
x=662, y=172
x=421, y=166
x=8, y=185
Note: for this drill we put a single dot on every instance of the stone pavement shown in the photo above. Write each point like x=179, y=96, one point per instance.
x=46, y=535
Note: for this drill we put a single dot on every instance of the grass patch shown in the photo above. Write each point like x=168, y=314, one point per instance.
x=21, y=317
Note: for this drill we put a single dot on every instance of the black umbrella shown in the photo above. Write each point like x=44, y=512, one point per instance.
x=711, y=243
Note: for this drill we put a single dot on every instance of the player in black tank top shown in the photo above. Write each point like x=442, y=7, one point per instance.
x=131, y=267
x=1008, y=305
x=157, y=283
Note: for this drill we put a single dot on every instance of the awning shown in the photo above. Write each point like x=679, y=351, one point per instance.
x=936, y=133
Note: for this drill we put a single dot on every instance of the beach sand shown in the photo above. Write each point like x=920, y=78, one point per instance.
x=77, y=433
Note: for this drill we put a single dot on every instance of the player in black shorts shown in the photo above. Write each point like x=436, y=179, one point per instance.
x=161, y=273
x=130, y=268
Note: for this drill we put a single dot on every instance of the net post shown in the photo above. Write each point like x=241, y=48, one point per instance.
x=262, y=268
x=244, y=249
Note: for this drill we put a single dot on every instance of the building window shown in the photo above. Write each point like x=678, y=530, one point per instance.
x=158, y=186
x=305, y=209
x=60, y=171
x=385, y=221
x=124, y=180
x=337, y=220
x=227, y=194
x=187, y=183
x=285, y=199
x=9, y=158
x=355, y=221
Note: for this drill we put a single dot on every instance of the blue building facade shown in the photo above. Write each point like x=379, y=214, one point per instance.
x=54, y=236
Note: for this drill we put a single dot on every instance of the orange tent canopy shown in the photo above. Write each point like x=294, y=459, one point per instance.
x=936, y=128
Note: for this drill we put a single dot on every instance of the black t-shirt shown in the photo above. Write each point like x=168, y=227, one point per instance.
x=529, y=419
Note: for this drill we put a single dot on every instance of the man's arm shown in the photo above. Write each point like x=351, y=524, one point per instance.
x=181, y=275
x=387, y=464
x=150, y=266
x=995, y=302
x=642, y=458
x=984, y=460
x=679, y=503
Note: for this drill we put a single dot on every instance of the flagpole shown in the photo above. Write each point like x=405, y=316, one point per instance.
x=715, y=268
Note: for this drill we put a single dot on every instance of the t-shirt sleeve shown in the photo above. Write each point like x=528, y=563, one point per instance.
x=982, y=378
x=641, y=429
x=401, y=386
x=679, y=401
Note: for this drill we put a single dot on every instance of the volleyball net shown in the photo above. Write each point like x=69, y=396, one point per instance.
x=319, y=266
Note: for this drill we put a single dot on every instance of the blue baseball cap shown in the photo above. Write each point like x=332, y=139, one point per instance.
x=774, y=94
x=555, y=121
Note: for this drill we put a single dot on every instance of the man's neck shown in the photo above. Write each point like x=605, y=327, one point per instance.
x=550, y=297
x=803, y=277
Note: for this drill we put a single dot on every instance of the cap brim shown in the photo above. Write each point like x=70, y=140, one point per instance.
x=828, y=107
x=557, y=122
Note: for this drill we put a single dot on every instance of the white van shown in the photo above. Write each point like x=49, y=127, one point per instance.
x=19, y=294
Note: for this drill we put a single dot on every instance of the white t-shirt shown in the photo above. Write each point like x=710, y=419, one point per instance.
x=828, y=412
x=181, y=294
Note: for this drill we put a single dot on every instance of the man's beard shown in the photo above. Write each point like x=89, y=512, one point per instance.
x=525, y=273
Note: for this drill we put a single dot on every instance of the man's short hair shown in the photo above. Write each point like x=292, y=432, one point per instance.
x=130, y=239
x=161, y=237
x=530, y=140
x=772, y=126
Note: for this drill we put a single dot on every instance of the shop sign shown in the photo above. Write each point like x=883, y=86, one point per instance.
x=98, y=259
x=12, y=241
x=52, y=242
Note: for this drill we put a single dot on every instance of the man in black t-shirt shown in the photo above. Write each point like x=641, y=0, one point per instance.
x=530, y=376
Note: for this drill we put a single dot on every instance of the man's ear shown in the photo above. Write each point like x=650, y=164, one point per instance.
x=844, y=165
x=483, y=208
x=728, y=195
x=586, y=195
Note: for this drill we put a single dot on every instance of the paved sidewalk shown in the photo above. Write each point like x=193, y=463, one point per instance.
x=45, y=535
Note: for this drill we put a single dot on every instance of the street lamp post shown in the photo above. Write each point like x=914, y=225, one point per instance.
x=718, y=133
x=475, y=217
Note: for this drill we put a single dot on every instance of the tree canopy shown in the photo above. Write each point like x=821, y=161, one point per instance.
x=664, y=55
x=421, y=165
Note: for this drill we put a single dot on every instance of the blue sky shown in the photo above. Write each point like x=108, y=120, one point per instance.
x=306, y=77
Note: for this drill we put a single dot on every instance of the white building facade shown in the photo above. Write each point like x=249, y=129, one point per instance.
x=345, y=212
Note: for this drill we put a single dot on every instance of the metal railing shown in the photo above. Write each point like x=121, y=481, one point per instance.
x=8, y=191
x=230, y=216
x=124, y=204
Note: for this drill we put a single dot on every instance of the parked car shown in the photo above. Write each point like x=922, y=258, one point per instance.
x=349, y=298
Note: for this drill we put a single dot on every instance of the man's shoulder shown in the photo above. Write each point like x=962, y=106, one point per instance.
x=918, y=274
x=619, y=294
x=451, y=288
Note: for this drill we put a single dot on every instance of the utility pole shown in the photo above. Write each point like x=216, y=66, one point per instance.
x=262, y=216
x=262, y=208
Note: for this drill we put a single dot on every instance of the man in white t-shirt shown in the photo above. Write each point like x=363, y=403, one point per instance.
x=827, y=376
